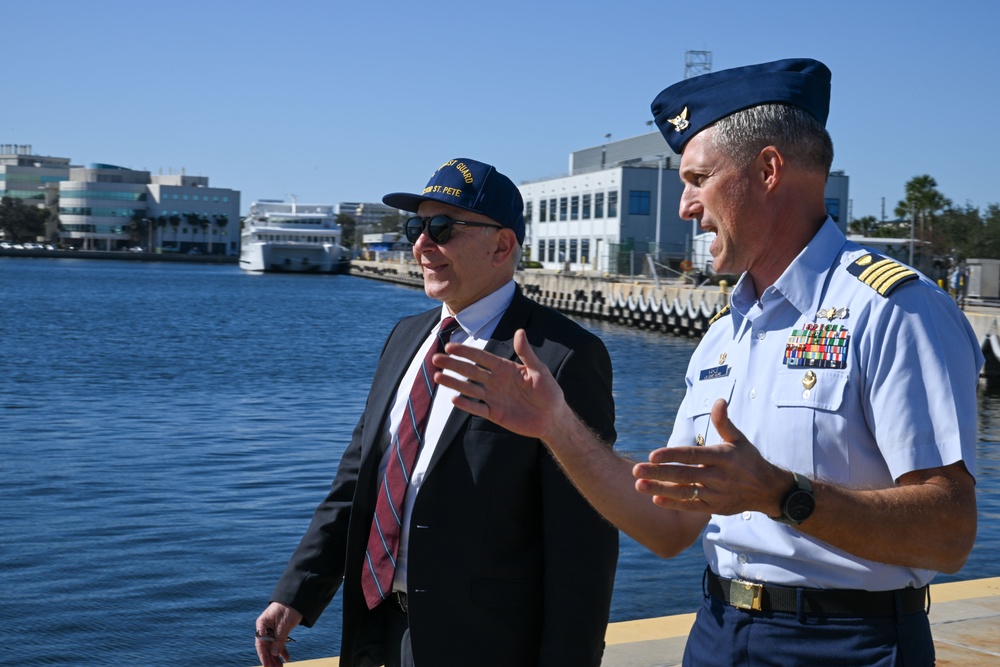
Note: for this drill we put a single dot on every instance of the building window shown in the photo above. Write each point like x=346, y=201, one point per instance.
x=552, y=250
x=586, y=207
x=527, y=210
x=562, y=208
x=542, y=209
x=638, y=202
x=613, y=204
x=584, y=250
x=572, y=250
x=574, y=207
x=599, y=205
x=552, y=210
x=833, y=209
x=562, y=251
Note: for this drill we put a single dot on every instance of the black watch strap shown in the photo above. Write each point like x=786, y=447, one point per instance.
x=799, y=503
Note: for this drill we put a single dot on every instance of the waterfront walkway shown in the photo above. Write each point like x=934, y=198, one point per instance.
x=965, y=621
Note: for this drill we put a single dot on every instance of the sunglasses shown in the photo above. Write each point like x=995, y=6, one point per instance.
x=438, y=227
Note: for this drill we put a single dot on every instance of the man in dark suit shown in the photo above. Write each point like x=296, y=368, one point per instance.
x=493, y=556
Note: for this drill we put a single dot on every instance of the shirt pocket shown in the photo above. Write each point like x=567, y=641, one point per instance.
x=698, y=409
x=808, y=418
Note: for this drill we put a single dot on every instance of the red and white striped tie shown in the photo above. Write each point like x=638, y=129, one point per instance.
x=383, y=540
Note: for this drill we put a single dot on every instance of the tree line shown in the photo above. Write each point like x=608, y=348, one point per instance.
x=21, y=222
x=945, y=235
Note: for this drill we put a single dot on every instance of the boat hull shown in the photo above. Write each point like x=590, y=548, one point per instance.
x=291, y=258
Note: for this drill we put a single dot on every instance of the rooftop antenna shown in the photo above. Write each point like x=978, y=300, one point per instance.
x=697, y=63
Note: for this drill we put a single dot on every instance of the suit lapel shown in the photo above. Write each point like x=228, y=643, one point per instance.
x=396, y=358
x=501, y=343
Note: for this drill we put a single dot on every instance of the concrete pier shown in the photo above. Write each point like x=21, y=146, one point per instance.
x=671, y=307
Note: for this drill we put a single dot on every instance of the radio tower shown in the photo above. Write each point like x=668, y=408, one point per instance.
x=697, y=62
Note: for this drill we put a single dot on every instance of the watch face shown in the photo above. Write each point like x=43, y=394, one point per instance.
x=799, y=506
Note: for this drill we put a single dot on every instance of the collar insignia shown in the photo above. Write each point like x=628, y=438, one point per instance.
x=680, y=123
x=722, y=358
x=832, y=313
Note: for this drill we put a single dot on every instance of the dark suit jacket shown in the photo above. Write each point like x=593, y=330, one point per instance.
x=508, y=564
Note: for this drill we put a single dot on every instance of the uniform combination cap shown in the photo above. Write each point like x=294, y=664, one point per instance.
x=472, y=186
x=688, y=107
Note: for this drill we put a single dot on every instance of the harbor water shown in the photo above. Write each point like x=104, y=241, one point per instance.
x=167, y=429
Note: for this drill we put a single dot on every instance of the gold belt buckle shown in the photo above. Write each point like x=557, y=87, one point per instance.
x=745, y=595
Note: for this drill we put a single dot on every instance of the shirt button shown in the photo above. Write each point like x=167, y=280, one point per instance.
x=805, y=394
x=753, y=393
x=761, y=335
x=743, y=559
x=746, y=516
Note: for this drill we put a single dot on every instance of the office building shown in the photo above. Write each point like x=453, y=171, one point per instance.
x=33, y=179
x=107, y=207
x=618, y=207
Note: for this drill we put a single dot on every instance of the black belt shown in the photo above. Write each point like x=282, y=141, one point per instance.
x=398, y=601
x=753, y=596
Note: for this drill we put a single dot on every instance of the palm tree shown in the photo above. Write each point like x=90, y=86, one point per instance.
x=160, y=223
x=922, y=201
x=222, y=221
x=175, y=222
x=205, y=225
x=136, y=226
x=864, y=226
x=194, y=221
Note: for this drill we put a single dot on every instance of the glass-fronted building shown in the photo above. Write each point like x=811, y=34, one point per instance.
x=106, y=207
x=33, y=179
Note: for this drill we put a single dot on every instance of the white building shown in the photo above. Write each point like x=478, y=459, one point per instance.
x=366, y=214
x=107, y=207
x=619, y=203
x=34, y=179
x=209, y=217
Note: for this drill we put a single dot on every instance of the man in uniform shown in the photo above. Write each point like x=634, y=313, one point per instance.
x=825, y=448
x=458, y=542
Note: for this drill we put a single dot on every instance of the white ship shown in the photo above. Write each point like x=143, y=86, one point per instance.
x=291, y=237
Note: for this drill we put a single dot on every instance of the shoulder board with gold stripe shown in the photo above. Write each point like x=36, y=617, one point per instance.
x=880, y=273
x=720, y=314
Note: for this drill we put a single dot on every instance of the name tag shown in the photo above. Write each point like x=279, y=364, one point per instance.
x=713, y=373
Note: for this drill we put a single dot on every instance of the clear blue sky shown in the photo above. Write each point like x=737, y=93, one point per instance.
x=335, y=101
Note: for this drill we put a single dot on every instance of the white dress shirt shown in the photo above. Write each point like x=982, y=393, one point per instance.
x=476, y=324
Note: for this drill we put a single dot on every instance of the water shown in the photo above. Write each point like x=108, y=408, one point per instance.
x=167, y=429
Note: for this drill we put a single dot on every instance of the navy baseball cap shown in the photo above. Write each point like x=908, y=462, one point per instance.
x=689, y=106
x=473, y=186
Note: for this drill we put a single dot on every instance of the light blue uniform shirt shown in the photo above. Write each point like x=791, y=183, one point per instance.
x=894, y=390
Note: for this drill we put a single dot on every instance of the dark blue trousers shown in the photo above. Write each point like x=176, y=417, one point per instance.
x=724, y=636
